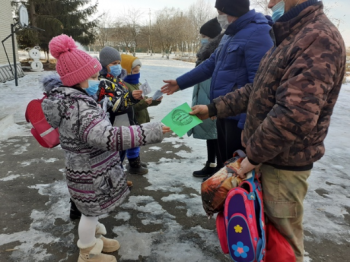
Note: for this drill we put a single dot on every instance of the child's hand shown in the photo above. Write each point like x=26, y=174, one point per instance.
x=149, y=100
x=159, y=99
x=137, y=94
x=166, y=129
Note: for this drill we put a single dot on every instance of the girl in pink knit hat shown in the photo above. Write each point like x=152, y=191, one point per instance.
x=96, y=182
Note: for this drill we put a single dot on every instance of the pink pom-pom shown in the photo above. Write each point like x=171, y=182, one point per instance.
x=61, y=44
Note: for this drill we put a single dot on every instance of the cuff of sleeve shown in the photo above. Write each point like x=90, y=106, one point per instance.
x=212, y=110
x=132, y=99
x=180, y=83
x=253, y=162
x=142, y=104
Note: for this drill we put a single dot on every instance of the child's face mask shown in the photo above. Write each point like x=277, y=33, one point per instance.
x=116, y=70
x=93, y=87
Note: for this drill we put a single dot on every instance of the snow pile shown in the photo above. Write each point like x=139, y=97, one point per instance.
x=13, y=103
x=8, y=128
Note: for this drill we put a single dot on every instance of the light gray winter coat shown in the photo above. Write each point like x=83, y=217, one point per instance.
x=201, y=94
x=95, y=179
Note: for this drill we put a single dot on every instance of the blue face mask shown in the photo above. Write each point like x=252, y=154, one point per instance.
x=204, y=41
x=116, y=70
x=278, y=11
x=93, y=87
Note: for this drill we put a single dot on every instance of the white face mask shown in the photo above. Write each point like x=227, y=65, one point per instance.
x=222, y=19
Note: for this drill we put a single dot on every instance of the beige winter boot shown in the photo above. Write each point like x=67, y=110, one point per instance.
x=109, y=245
x=93, y=253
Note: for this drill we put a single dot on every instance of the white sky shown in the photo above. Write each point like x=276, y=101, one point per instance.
x=340, y=9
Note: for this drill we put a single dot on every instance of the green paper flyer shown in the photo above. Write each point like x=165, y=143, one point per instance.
x=180, y=121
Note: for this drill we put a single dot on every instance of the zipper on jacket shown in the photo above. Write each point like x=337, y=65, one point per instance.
x=273, y=37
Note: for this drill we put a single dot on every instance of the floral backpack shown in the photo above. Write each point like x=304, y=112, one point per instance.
x=241, y=226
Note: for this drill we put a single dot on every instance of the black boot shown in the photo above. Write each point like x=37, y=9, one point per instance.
x=136, y=168
x=217, y=169
x=209, y=170
x=143, y=164
x=74, y=212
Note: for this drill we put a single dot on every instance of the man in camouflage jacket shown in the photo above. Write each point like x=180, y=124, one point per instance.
x=288, y=107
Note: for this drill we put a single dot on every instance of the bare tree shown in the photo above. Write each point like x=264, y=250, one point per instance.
x=132, y=18
x=123, y=36
x=169, y=29
x=104, y=30
x=199, y=12
x=261, y=6
x=328, y=7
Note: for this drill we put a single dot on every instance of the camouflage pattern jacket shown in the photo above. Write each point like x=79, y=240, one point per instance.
x=290, y=103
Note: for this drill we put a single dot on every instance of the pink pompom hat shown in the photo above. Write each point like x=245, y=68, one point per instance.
x=73, y=65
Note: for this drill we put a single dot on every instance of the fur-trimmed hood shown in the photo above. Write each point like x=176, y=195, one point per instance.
x=50, y=81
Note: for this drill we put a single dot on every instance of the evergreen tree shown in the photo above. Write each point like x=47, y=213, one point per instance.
x=70, y=17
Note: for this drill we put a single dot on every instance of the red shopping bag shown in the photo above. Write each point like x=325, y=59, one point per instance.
x=277, y=249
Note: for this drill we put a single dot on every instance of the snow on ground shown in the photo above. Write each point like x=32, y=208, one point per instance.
x=326, y=206
x=14, y=101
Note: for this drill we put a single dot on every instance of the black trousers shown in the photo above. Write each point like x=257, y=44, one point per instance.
x=213, y=152
x=229, y=137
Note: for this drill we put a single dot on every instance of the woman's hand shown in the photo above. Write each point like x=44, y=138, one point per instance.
x=137, y=94
x=166, y=129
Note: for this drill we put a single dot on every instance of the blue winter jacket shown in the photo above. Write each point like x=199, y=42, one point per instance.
x=236, y=60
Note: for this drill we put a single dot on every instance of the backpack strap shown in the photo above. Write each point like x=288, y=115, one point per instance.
x=251, y=180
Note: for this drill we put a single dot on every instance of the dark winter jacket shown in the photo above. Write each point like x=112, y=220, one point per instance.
x=120, y=97
x=140, y=109
x=290, y=104
x=236, y=60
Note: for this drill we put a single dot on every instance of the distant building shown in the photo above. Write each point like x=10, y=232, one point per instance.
x=5, y=29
